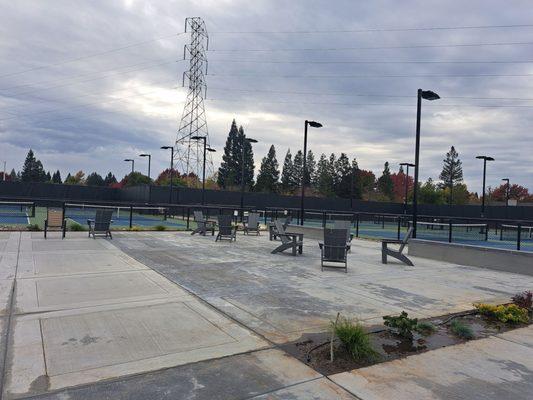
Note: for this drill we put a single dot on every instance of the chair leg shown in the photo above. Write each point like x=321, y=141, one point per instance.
x=384, y=253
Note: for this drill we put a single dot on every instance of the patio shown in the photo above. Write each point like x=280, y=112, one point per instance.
x=89, y=310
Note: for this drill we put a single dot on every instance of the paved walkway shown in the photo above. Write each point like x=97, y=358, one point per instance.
x=171, y=316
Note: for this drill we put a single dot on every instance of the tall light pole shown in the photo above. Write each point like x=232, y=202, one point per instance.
x=206, y=149
x=171, y=148
x=405, y=164
x=132, y=164
x=149, y=161
x=249, y=140
x=426, y=95
x=312, y=124
x=485, y=159
x=507, y=193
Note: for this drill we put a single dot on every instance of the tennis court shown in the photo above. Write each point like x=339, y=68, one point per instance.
x=14, y=213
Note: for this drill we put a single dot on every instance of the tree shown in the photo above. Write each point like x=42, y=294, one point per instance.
x=385, y=184
x=325, y=179
x=429, y=193
x=452, y=171
x=13, y=176
x=77, y=179
x=267, y=179
x=365, y=183
x=310, y=170
x=95, y=179
x=56, y=177
x=287, y=174
x=32, y=170
x=48, y=177
x=398, y=183
x=163, y=179
x=298, y=169
x=247, y=158
x=227, y=172
x=134, y=179
x=110, y=179
x=516, y=192
x=343, y=173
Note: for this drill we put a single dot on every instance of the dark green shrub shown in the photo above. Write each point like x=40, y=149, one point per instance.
x=75, y=227
x=355, y=338
x=425, y=328
x=460, y=329
x=511, y=314
x=403, y=325
x=160, y=227
x=33, y=227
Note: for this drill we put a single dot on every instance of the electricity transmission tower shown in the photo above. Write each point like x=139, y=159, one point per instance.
x=188, y=151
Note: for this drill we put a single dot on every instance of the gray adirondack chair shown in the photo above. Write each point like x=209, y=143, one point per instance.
x=252, y=225
x=273, y=232
x=100, y=225
x=293, y=241
x=226, y=230
x=202, y=224
x=334, y=249
x=398, y=254
x=347, y=225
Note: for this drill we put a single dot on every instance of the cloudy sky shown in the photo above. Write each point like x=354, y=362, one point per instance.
x=89, y=83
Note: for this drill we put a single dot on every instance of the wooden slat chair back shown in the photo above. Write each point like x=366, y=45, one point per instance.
x=54, y=220
x=101, y=224
x=225, y=228
x=335, y=248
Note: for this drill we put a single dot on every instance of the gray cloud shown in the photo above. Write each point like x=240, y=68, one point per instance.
x=92, y=113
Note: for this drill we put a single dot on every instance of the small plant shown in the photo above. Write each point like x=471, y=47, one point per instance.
x=134, y=229
x=425, y=328
x=510, y=314
x=75, y=227
x=355, y=338
x=523, y=299
x=460, y=329
x=402, y=324
x=33, y=227
x=160, y=227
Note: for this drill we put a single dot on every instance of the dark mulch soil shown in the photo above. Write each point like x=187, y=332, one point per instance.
x=389, y=345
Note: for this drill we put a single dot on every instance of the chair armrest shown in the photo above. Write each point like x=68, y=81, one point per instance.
x=300, y=235
x=392, y=241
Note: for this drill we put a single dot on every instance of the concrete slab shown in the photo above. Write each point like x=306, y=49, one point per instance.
x=235, y=377
x=282, y=296
x=521, y=336
x=491, y=368
x=320, y=389
x=83, y=262
x=53, y=245
x=8, y=263
x=67, y=292
x=5, y=295
x=55, y=350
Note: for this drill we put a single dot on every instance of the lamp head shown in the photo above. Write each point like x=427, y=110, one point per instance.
x=198, y=137
x=250, y=140
x=429, y=95
x=144, y=155
x=486, y=158
x=128, y=159
x=314, y=124
x=166, y=147
x=211, y=150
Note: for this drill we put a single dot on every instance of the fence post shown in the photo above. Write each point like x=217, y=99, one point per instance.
x=450, y=228
x=357, y=225
x=323, y=219
x=399, y=227
x=131, y=217
x=188, y=217
x=382, y=222
x=518, y=236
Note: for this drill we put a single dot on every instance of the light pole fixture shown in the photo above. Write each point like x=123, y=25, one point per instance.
x=206, y=149
x=312, y=124
x=507, y=192
x=485, y=159
x=426, y=95
x=149, y=161
x=249, y=140
x=406, y=164
x=132, y=163
x=171, y=148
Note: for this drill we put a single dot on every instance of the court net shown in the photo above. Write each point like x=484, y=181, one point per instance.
x=510, y=232
x=87, y=211
x=451, y=232
x=17, y=209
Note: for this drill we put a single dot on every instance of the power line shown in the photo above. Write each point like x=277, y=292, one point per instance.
x=91, y=55
x=370, y=62
x=378, y=76
x=437, y=28
x=420, y=46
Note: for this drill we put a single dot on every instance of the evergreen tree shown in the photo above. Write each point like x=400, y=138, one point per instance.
x=287, y=176
x=13, y=176
x=267, y=179
x=94, y=179
x=297, y=169
x=56, y=177
x=343, y=173
x=109, y=179
x=76, y=179
x=48, y=177
x=385, y=183
x=452, y=172
x=325, y=181
x=33, y=170
x=227, y=172
x=310, y=169
x=247, y=158
x=357, y=189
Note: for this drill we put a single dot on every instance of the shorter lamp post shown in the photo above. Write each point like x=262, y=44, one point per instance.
x=132, y=163
x=312, y=124
x=249, y=140
x=485, y=159
x=405, y=164
x=149, y=161
x=171, y=148
x=206, y=149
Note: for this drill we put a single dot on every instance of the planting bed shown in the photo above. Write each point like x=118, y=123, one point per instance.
x=314, y=349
